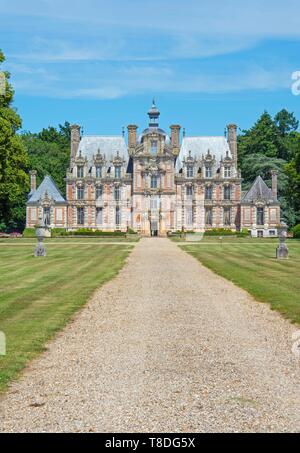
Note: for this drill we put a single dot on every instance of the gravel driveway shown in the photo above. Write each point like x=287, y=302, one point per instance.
x=166, y=346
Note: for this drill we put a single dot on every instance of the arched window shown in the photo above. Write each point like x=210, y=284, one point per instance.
x=117, y=171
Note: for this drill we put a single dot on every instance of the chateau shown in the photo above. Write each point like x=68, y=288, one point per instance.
x=155, y=184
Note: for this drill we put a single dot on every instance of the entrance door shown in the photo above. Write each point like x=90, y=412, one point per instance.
x=154, y=229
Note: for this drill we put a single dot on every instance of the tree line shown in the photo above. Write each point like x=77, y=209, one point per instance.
x=272, y=143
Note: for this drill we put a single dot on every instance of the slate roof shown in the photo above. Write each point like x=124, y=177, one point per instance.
x=108, y=145
x=49, y=186
x=199, y=146
x=258, y=191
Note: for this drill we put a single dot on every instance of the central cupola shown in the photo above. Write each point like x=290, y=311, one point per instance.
x=153, y=116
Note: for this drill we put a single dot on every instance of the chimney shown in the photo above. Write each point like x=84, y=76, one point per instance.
x=274, y=174
x=175, y=138
x=32, y=181
x=75, y=139
x=232, y=141
x=131, y=136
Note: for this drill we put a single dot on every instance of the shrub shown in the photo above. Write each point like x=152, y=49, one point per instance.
x=296, y=231
x=55, y=232
x=29, y=233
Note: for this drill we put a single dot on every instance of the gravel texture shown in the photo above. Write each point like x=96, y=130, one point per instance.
x=165, y=346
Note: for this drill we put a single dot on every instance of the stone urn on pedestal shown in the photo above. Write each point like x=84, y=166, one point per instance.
x=41, y=231
x=282, y=252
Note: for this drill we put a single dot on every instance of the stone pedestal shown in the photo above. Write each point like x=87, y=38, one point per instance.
x=40, y=249
x=282, y=252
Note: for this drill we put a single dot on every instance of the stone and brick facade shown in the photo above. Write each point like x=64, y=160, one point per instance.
x=154, y=185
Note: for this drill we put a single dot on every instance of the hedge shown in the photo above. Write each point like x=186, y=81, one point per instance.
x=225, y=232
x=296, y=231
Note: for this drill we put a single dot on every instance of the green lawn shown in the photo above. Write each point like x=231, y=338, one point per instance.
x=39, y=295
x=251, y=265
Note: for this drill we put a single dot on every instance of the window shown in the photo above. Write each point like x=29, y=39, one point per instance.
x=46, y=216
x=227, y=193
x=189, y=191
x=98, y=171
x=154, y=203
x=153, y=147
x=80, y=193
x=118, y=215
x=118, y=171
x=190, y=171
x=227, y=216
x=208, y=171
x=99, y=216
x=80, y=216
x=99, y=192
x=189, y=215
x=80, y=171
x=153, y=182
x=260, y=233
x=208, y=216
x=227, y=172
x=117, y=193
x=208, y=192
x=272, y=232
x=260, y=216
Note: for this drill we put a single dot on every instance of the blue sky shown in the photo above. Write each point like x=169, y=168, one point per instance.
x=100, y=63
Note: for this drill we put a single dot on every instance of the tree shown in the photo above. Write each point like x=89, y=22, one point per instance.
x=14, y=181
x=49, y=153
x=286, y=122
x=268, y=145
x=292, y=170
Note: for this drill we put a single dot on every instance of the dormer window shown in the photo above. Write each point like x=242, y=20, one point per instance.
x=154, y=147
x=118, y=171
x=80, y=171
x=227, y=172
x=208, y=171
x=190, y=171
x=98, y=171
